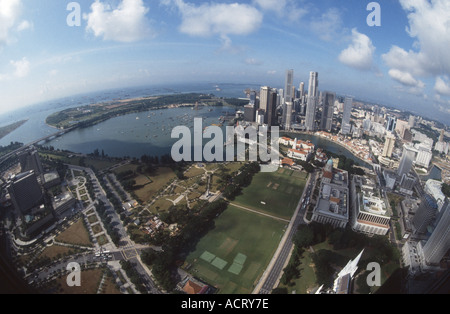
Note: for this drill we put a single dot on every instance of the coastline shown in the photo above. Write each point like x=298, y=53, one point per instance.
x=349, y=149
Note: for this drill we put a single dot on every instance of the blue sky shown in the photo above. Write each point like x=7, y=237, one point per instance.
x=120, y=43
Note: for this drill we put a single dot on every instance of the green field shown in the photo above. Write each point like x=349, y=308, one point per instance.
x=234, y=255
x=280, y=191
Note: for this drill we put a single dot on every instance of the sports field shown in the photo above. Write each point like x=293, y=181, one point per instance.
x=234, y=255
x=274, y=193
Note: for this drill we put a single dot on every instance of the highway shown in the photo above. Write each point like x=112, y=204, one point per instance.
x=274, y=271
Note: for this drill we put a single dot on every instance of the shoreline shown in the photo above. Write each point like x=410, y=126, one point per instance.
x=328, y=140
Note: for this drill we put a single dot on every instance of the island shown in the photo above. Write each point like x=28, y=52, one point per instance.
x=85, y=116
x=5, y=130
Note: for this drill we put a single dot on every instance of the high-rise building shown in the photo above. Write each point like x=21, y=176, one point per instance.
x=302, y=90
x=425, y=213
x=391, y=123
x=264, y=97
x=389, y=146
x=249, y=113
x=441, y=137
x=310, y=120
x=30, y=160
x=406, y=163
x=289, y=96
x=327, y=111
x=439, y=242
x=288, y=116
x=412, y=121
x=271, y=113
x=25, y=191
x=348, y=107
x=424, y=156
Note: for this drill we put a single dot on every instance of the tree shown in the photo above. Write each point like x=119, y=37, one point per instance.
x=304, y=236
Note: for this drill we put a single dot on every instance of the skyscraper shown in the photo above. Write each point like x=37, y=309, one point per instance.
x=30, y=160
x=439, y=242
x=312, y=101
x=302, y=90
x=425, y=213
x=389, y=146
x=288, y=121
x=25, y=191
x=408, y=157
x=327, y=111
x=348, y=106
x=391, y=123
x=288, y=95
x=271, y=113
x=264, y=97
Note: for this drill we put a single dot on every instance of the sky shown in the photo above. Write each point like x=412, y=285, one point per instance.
x=57, y=48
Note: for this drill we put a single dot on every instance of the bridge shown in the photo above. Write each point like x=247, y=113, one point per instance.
x=45, y=138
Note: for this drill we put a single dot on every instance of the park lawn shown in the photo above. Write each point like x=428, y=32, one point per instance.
x=75, y=234
x=237, y=232
x=90, y=281
x=110, y=286
x=281, y=191
x=194, y=172
x=161, y=205
x=125, y=168
x=54, y=252
x=149, y=187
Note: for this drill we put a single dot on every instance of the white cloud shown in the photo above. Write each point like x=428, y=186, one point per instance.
x=359, y=54
x=329, y=25
x=125, y=23
x=253, y=61
x=221, y=19
x=442, y=86
x=283, y=8
x=22, y=67
x=405, y=78
x=24, y=25
x=429, y=23
x=9, y=13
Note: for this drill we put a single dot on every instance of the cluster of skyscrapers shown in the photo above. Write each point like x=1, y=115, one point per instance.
x=294, y=109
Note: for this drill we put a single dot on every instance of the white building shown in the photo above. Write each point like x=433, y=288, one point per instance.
x=370, y=214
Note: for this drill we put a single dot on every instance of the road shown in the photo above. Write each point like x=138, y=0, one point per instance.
x=274, y=271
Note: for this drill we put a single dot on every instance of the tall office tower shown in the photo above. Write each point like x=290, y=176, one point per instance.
x=412, y=121
x=25, y=191
x=409, y=155
x=441, y=137
x=439, y=242
x=264, y=97
x=302, y=90
x=30, y=160
x=252, y=96
x=425, y=213
x=310, y=120
x=389, y=146
x=288, y=116
x=326, y=122
x=288, y=95
x=271, y=114
x=391, y=123
x=424, y=156
x=249, y=113
x=348, y=107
